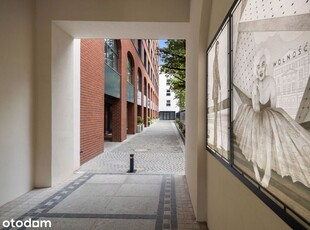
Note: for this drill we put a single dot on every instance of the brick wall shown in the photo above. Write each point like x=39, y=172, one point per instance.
x=92, y=98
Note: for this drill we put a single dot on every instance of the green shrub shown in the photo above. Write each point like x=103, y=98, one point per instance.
x=139, y=120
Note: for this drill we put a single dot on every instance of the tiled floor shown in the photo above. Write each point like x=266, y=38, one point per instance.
x=96, y=200
x=105, y=201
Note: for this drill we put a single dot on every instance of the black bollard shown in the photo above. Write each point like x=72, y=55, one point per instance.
x=132, y=163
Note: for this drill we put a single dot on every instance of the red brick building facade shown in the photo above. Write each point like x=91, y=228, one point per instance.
x=119, y=81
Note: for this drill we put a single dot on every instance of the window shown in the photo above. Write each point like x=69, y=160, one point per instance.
x=144, y=59
x=145, y=89
x=129, y=68
x=168, y=81
x=111, y=53
x=168, y=103
x=139, y=80
x=140, y=48
x=168, y=93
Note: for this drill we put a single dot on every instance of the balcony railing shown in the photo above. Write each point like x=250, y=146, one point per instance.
x=139, y=98
x=130, y=92
x=112, y=82
x=144, y=101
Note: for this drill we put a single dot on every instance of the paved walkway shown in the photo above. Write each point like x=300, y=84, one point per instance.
x=156, y=197
x=158, y=150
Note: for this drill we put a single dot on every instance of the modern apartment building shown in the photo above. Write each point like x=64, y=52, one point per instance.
x=119, y=81
x=167, y=102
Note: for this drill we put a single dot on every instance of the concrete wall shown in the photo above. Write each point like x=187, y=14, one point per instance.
x=16, y=98
x=62, y=105
x=76, y=101
x=231, y=205
x=195, y=106
x=43, y=115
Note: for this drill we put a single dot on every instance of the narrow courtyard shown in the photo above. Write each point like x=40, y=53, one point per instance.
x=102, y=195
x=157, y=150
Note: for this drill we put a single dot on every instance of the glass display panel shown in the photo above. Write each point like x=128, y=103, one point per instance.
x=218, y=113
x=271, y=98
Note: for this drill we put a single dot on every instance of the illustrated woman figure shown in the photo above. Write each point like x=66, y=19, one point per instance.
x=216, y=89
x=267, y=135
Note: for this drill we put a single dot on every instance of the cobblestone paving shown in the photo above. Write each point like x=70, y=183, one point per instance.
x=158, y=150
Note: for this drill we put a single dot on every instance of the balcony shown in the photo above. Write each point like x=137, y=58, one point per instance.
x=139, y=98
x=130, y=93
x=112, y=82
x=144, y=101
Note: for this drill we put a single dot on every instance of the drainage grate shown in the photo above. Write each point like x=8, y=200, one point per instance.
x=141, y=150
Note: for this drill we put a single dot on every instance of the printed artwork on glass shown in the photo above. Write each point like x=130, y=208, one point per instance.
x=217, y=100
x=271, y=97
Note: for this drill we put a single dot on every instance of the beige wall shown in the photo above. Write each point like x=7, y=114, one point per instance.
x=195, y=106
x=231, y=205
x=120, y=10
x=63, y=106
x=219, y=9
x=43, y=95
x=16, y=98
